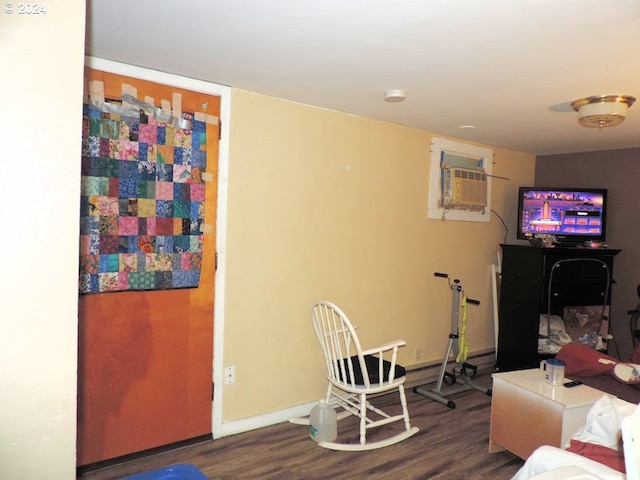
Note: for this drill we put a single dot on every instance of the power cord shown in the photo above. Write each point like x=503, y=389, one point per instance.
x=506, y=230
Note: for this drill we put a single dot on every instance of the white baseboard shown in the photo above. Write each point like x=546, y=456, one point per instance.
x=484, y=361
x=247, y=424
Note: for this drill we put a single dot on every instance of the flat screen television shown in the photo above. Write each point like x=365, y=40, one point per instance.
x=573, y=215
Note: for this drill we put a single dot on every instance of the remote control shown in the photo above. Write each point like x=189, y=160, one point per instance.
x=574, y=383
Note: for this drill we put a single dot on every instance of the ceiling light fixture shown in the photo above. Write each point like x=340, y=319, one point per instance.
x=394, y=96
x=602, y=110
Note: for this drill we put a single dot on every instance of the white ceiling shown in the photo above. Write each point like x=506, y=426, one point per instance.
x=508, y=67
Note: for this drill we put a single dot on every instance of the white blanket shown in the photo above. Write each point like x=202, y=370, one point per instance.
x=547, y=458
x=602, y=427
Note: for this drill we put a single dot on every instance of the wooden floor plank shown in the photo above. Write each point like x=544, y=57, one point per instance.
x=452, y=444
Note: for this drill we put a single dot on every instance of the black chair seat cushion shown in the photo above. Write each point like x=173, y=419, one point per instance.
x=372, y=363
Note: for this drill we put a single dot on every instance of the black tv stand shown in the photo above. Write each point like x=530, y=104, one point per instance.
x=526, y=293
x=569, y=245
x=577, y=245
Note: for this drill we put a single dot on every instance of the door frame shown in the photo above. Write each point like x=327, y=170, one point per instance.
x=221, y=217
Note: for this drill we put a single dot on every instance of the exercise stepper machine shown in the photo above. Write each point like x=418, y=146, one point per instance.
x=462, y=372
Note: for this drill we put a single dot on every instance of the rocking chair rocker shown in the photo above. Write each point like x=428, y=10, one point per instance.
x=353, y=374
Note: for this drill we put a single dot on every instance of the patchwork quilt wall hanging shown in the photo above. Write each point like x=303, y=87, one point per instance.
x=142, y=203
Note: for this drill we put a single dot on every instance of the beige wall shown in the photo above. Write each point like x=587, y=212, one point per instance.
x=40, y=121
x=327, y=205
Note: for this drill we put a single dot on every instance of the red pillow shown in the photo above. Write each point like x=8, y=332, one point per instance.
x=583, y=361
x=599, y=453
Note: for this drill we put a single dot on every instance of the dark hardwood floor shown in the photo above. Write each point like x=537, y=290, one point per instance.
x=452, y=444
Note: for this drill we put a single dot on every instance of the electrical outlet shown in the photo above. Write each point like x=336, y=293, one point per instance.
x=230, y=375
x=417, y=354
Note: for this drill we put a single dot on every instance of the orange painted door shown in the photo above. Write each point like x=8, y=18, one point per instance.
x=145, y=357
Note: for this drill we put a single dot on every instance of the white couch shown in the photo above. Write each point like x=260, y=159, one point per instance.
x=611, y=422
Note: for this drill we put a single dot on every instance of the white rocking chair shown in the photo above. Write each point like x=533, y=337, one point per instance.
x=354, y=373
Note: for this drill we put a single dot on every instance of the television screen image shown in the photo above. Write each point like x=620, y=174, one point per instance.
x=572, y=215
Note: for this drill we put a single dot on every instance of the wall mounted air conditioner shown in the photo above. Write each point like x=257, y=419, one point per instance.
x=464, y=188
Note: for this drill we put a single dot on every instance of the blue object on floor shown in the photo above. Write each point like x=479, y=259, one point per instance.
x=174, y=472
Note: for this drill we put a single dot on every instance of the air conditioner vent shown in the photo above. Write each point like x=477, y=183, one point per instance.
x=464, y=188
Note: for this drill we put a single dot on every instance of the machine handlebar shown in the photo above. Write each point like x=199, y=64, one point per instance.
x=459, y=287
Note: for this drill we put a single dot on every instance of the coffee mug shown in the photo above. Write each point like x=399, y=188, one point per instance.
x=553, y=371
